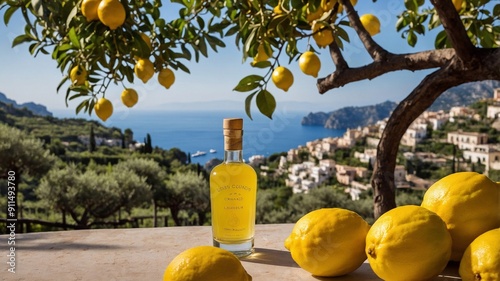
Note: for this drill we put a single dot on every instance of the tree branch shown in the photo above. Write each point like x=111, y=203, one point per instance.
x=337, y=57
x=455, y=29
x=413, y=62
x=375, y=50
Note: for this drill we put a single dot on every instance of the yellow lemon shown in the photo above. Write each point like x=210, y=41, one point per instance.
x=341, y=7
x=322, y=34
x=261, y=54
x=89, y=9
x=469, y=204
x=277, y=9
x=78, y=76
x=111, y=13
x=481, y=260
x=206, y=263
x=408, y=243
x=327, y=5
x=282, y=77
x=370, y=23
x=129, y=97
x=166, y=77
x=458, y=4
x=103, y=109
x=309, y=63
x=313, y=15
x=144, y=69
x=328, y=242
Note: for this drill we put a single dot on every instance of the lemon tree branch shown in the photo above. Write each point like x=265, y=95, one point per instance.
x=455, y=29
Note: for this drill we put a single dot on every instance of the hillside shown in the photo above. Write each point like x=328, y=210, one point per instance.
x=352, y=117
x=36, y=109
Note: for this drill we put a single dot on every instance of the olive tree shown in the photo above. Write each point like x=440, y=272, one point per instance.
x=466, y=49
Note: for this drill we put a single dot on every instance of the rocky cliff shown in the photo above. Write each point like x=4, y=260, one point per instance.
x=37, y=109
x=352, y=117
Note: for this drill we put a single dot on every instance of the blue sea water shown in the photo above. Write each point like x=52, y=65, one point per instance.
x=192, y=131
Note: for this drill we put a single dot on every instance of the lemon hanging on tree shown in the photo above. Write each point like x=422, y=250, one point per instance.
x=206, y=263
x=282, y=77
x=89, y=9
x=166, y=77
x=129, y=97
x=144, y=69
x=322, y=34
x=111, y=13
x=78, y=75
x=309, y=63
x=103, y=109
x=370, y=23
x=261, y=54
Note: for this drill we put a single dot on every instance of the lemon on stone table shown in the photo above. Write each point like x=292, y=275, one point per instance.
x=206, y=263
x=408, y=243
x=328, y=242
x=469, y=204
x=481, y=260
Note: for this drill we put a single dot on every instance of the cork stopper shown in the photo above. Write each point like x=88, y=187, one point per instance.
x=233, y=133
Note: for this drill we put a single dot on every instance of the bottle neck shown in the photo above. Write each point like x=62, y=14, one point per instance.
x=233, y=156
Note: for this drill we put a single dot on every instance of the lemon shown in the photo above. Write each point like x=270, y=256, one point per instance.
x=328, y=5
x=129, y=97
x=313, y=15
x=341, y=7
x=144, y=69
x=458, y=4
x=89, y=9
x=166, y=77
x=111, y=13
x=309, y=63
x=103, y=109
x=481, y=260
x=328, y=242
x=370, y=23
x=322, y=34
x=78, y=75
x=261, y=54
x=408, y=243
x=282, y=77
x=277, y=9
x=206, y=263
x=469, y=204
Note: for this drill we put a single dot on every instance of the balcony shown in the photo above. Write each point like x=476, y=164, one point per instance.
x=144, y=253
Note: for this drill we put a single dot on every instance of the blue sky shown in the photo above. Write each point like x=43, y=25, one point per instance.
x=26, y=78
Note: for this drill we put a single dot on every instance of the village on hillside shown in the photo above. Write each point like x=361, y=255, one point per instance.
x=302, y=177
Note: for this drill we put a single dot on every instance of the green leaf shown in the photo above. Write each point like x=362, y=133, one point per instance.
x=84, y=104
x=66, y=78
x=262, y=64
x=342, y=33
x=248, y=83
x=440, y=41
x=266, y=103
x=73, y=38
x=71, y=15
x=248, y=104
x=21, y=39
x=8, y=14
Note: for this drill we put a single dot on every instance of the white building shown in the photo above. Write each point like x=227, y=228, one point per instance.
x=467, y=140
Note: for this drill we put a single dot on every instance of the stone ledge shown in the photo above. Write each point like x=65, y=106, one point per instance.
x=144, y=253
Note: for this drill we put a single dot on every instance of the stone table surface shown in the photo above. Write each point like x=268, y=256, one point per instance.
x=144, y=253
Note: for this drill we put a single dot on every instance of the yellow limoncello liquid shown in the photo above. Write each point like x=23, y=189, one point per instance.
x=233, y=192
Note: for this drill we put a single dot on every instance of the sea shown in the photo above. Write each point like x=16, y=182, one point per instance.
x=193, y=131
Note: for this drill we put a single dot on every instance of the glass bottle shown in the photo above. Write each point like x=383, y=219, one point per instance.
x=233, y=195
